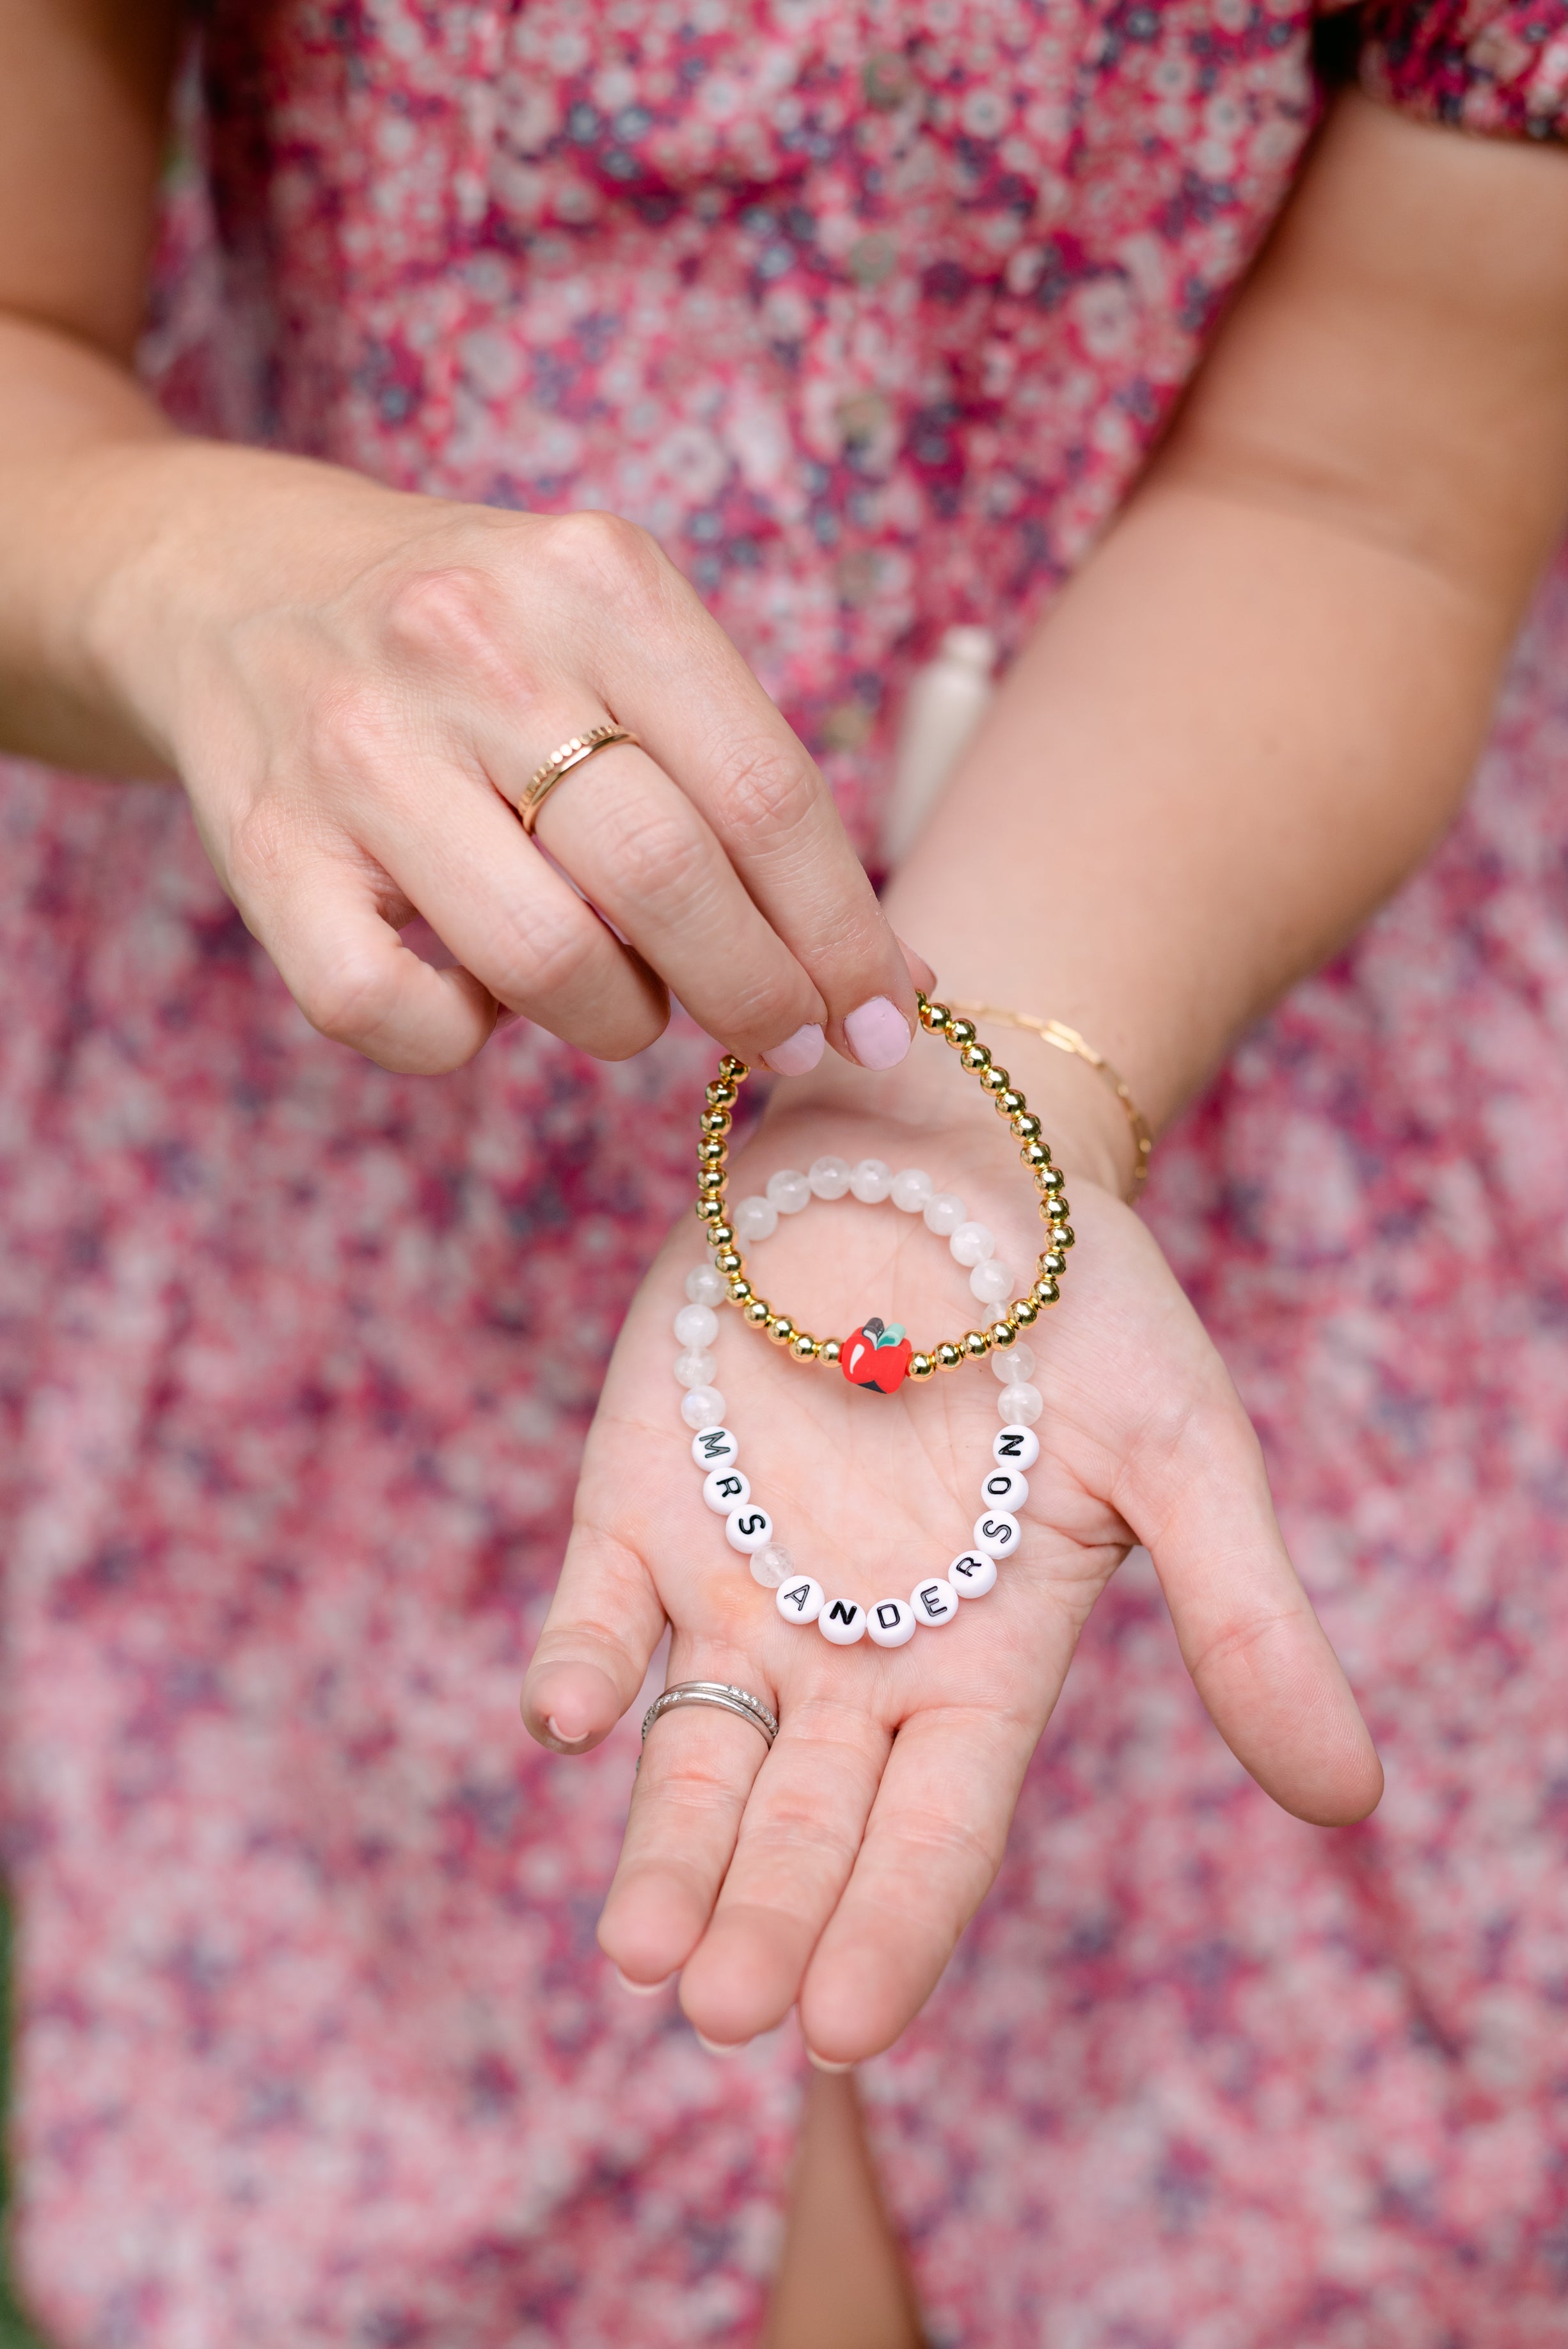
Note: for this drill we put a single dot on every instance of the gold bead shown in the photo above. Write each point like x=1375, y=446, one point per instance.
x=960, y=1032
x=934, y=1017
x=975, y=1057
x=757, y=1312
x=721, y=1094
x=1024, y=1310
x=710, y=1210
x=1053, y=1179
x=710, y=1182
x=830, y=1349
x=720, y=1235
x=1062, y=1236
x=1035, y=1156
x=1046, y=1292
x=780, y=1328
x=1010, y=1102
x=1004, y=1333
x=730, y=1263
x=976, y=1344
x=714, y=1121
x=995, y=1080
x=1049, y=1264
x=948, y=1355
x=1026, y=1125
x=803, y=1346
x=740, y=1290
x=920, y=1366
x=733, y=1071
x=711, y=1151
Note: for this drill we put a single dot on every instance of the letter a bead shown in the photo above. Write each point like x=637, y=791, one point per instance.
x=934, y=1602
x=714, y=1447
x=1004, y=1488
x=1015, y=1447
x=799, y=1601
x=973, y=1575
x=725, y=1489
x=748, y=1528
x=891, y=1623
x=842, y=1621
x=997, y=1533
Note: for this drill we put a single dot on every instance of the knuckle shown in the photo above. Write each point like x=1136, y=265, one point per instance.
x=607, y=557
x=351, y=999
x=765, y=791
x=447, y=614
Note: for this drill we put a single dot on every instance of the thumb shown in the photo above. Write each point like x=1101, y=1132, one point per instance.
x=1258, y=1655
x=603, y=1624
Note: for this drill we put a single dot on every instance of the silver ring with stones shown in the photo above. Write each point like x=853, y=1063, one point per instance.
x=739, y=1700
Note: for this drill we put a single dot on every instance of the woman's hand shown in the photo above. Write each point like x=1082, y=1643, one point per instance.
x=355, y=686
x=838, y=1870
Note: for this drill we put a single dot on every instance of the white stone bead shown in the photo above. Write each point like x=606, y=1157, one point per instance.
x=706, y=1287
x=696, y=1325
x=943, y=1214
x=1021, y=1401
x=912, y=1187
x=871, y=1181
x=1004, y=1488
x=714, y=1447
x=828, y=1177
x=799, y=1601
x=934, y=1603
x=1014, y=1364
x=842, y=1620
x=973, y=1574
x=695, y=1369
x=991, y=1282
x=749, y=1529
x=704, y=1407
x=891, y=1623
x=726, y=1490
x=756, y=1218
x=772, y=1566
x=1016, y=1446
x=789, y=1190
x=997, y=1533
x=972, y=1244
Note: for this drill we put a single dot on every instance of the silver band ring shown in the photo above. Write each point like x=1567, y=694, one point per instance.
x=572, y=753
x=739, y=1700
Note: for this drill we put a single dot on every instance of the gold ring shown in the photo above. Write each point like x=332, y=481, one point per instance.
x=544, y=780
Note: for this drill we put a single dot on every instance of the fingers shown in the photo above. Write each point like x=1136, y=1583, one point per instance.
x=796, y=1848
x=1258, y=1655
x=931, y=1848
x=603, y=1624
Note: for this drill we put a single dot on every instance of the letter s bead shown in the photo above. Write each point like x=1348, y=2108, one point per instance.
x=748, y=1528
x=997, y=1533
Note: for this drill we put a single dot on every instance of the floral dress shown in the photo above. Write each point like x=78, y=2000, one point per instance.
x=869, y=309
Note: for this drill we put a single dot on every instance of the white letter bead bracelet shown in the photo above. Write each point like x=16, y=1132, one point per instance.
x=878, y=1356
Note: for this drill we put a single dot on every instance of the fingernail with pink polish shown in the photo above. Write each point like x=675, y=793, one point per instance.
x=798, y=1055
x=877, y=1034
x=715, y=2049
x=640, y=1990
x=820, y=2063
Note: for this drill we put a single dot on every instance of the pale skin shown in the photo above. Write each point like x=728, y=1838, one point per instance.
x=1249, y=717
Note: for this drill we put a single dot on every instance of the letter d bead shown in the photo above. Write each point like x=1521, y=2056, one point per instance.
x=891, y=1623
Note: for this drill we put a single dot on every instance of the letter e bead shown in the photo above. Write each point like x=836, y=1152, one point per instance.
x=934, y=1602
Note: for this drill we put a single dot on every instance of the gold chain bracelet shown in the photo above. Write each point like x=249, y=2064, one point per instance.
x=713, y=1150
x=1067, y=1040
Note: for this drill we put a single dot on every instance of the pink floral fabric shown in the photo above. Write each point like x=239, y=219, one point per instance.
x=870, y=312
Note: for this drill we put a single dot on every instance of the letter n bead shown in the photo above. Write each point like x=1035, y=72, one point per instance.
x=1015, y=1447
x=891, y=1623
x=842, y=1621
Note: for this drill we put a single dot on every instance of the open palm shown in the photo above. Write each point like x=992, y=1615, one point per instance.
x=838, y=1869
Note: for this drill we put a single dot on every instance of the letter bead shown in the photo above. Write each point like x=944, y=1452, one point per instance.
x=842, y=1621
x=799, y=1602
x=891, y=1623
x=973, y=1574
x=1004, y=1488
x=1015, y=1447
x=714, y=1447
x=748, y=1528
x=997, y=1533
x=934, y=1603
x=725, y=1491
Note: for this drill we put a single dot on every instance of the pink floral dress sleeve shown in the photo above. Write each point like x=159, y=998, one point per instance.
x=1500, y=71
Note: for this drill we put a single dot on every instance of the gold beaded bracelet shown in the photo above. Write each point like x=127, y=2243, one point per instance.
x=713, y=1151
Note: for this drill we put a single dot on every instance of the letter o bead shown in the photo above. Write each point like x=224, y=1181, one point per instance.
x=934, y=1603
x=1004, y=1488
x=997, y=1533
x=891, y=1623
x=973, y=1574
x=842, y=1621
x=748, y=1528
x=726, y=1490
x=800, y=1600
x=1015, y=1446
